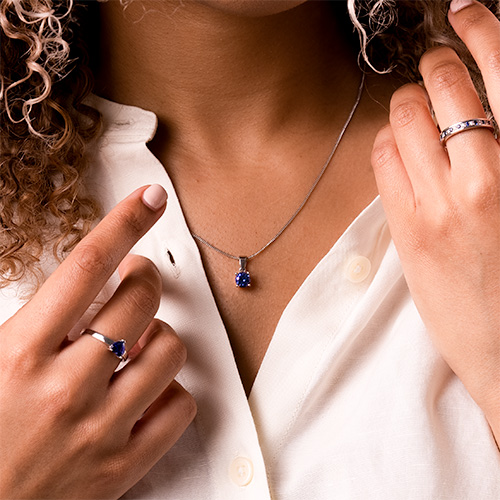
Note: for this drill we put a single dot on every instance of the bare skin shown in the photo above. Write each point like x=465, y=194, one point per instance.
x=255, y=102
x=238, y=111
x=77, y=422
x=443, y=206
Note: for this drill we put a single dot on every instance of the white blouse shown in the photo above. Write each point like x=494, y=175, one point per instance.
x=351, y=401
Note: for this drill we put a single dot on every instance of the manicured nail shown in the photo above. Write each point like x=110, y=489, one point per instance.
x=457, y=5
x=154, y=197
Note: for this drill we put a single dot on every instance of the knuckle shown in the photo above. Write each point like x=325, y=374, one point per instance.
x=186, y=404
x=474, y=19
x=19, y=361
x=189, y=406
x=91, y=259
x=137, y=269
x=493, y=63
x=406, y=113
x=483, y=194
x=143, y=297
x=174, y=350
x=148, y=271
x=167, y=352
x=384, y=154
x=59, y=398
x=448, y=75
x=130, y=220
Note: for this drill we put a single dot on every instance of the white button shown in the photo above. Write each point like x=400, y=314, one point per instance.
x=358, y=269
x=241, y=471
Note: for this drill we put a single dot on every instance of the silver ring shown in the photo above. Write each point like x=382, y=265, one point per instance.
x=465, y=125
x=117, y=347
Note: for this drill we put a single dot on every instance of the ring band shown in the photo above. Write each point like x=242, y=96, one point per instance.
x=117, y=347
x=465, y=125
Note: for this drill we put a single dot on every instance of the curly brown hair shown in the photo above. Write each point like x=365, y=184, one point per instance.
x=394, y=34
x=46, y=128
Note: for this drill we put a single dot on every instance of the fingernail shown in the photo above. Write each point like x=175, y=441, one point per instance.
x=457, y=5
x=154, y=197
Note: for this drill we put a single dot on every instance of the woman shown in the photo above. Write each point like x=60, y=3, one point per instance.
x=334, y=374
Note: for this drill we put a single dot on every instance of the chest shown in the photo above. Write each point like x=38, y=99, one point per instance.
x=241, y=209
x=251, y=314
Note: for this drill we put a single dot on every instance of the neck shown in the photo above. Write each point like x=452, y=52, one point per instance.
x=215, y=78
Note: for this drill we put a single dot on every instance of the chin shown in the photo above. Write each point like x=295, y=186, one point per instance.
x=252, y=8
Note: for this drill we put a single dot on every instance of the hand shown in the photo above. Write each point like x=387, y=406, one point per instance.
x=70, y=426
x=443, y=206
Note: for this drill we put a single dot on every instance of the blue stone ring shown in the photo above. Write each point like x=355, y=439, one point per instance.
x=117, y=347
x=465, y=125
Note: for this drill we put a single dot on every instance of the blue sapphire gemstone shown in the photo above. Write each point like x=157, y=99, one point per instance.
x=242, y=279
x=118, y=348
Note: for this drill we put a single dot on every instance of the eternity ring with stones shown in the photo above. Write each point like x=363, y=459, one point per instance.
x=117, y=347
x=465, y=125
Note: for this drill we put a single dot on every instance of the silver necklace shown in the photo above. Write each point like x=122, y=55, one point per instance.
x=242, y=277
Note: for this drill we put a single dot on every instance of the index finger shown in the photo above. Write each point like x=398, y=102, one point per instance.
x=479, y=29
x=70, y=290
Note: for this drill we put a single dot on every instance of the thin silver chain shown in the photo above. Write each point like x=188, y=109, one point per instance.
x=309, y=193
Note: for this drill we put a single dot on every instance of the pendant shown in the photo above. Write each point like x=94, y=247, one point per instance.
x=242, y=277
